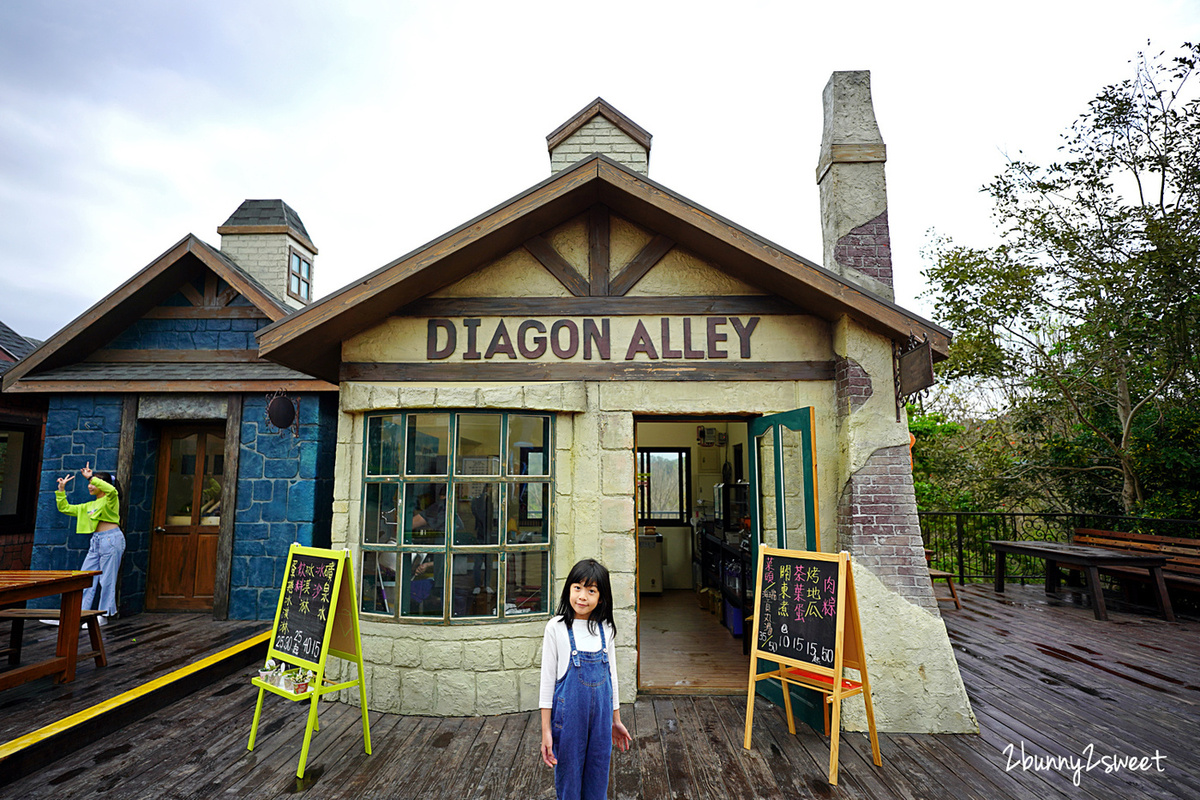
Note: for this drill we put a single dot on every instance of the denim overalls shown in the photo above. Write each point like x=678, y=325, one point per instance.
x=582, y=719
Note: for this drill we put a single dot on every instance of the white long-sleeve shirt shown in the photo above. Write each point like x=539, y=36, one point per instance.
x=556, y=655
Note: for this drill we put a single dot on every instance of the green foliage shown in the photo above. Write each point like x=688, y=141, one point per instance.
x=1084, y=323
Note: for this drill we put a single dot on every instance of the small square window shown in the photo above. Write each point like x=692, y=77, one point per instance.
x=299, y=277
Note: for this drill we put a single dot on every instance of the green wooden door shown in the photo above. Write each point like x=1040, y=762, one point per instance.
x=783, y=513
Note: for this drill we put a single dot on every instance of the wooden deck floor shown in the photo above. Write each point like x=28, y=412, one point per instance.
x=686, y=650
x=139, y=648
x=1042, y=674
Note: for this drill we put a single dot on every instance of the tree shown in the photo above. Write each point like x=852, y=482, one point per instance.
x=1086, y=318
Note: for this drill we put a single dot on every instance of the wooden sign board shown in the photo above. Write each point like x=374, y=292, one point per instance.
x=806, y=621
x=316, y=617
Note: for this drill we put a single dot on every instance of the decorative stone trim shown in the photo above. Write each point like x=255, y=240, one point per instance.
x=568, y=396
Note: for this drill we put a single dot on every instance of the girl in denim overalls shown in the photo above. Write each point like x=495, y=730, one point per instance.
x=101, y=518
x=581, y=715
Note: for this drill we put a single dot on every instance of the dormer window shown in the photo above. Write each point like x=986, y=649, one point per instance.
x=299, y=276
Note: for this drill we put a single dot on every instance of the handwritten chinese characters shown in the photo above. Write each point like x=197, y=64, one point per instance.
x=798, y=609
x=305, y=608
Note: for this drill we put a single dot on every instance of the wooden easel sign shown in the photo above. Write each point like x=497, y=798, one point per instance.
x=806, y=621
x=316, y=618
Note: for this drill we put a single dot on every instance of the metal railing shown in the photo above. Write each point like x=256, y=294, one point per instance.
x=959, y=539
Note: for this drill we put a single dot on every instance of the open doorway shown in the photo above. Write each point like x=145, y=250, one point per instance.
x=693, y=516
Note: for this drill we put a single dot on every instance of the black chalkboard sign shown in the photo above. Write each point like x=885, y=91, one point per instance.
x=806, y=622
x=306, y=605
x=798, y=608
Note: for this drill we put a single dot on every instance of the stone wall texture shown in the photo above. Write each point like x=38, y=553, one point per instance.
x=284, y=495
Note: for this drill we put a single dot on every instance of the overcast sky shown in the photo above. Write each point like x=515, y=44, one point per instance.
x=126, y=125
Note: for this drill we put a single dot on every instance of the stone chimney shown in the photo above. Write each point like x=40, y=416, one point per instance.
x=599, y=128
x=854, y=221
x=267, y=239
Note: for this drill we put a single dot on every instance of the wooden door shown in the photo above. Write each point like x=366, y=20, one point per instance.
x=187, y=520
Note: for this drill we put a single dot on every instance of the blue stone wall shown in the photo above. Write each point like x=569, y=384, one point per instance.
x=139, y=515
x=285, y=495
x=189, y=334
x=80, y=430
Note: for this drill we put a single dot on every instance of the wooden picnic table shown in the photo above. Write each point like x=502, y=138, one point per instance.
x=18, y=586
x=1089, y=560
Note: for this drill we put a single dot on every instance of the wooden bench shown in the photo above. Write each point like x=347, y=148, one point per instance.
x=18, y=617
x=1182, y=570
x=942, y=575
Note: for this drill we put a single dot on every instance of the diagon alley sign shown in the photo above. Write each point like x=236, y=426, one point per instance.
x=591, y=338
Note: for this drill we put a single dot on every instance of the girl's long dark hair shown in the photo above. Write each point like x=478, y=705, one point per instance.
x=589, y=572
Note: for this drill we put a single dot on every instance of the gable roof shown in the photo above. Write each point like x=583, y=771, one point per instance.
x=132, y=300
x=311, y=339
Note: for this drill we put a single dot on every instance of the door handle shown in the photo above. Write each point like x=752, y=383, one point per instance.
x=160, y=529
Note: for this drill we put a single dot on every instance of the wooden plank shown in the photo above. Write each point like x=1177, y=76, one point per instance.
x=683, y=305
x=189, y=291
x=719, y=770
x=646, y=259
x=493, y=782
x=599, y=233
x=199, y=312
x=529, y=777
x=473, y=371
x=625, y=779
x=175, y=356
x=652, y=759
x=229, y=489
x=146, y=387
x=680, y=769
x=557, y=266
x=731, y=714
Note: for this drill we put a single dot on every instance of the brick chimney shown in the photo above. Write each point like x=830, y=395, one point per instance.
x=854, y=222
x=267, y=239
x=599, y=128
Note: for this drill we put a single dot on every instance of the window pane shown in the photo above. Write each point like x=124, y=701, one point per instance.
x=478, y=444
x=379, y=514
x=528, y=513
x=304, y=269
x=666, y=489
x=295, y=284
x=527, y=438
x=378, y=583
x=384, y=443
x=474, y=577
x=526, y=583
x=12, y=445
x=180, y=481
x=428, y=444
x=421, y=589
x=479, y=509
x=425, y=514
x=214, y=476
x=303, y=291
x=295, y=263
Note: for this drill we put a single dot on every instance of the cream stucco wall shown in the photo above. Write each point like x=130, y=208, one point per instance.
x=467, y=669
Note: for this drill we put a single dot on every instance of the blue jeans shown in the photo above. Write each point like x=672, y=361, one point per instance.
x=581, y=724
x=104, y=553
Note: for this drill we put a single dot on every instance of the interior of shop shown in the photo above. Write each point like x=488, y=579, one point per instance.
x=693, y=548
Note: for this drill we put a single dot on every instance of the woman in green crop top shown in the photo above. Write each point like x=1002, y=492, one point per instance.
x=102, y=519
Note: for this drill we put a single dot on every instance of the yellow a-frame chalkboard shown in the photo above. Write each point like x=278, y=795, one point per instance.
x=806, y=620
x=316, y=617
